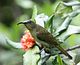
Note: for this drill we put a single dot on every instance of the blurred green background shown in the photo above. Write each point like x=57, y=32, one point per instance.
x=12, y=12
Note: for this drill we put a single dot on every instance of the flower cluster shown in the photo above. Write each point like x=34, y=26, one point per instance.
x=27, y=41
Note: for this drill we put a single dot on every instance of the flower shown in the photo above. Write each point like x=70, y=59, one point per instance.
x=27, y=41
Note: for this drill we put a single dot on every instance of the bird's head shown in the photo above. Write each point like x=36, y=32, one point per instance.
x=29, y=24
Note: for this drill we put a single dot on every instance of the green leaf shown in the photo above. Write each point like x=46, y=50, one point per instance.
x=13, y=44
x=76, y=20
x=34, y=14
x=72, y=3
x=71, y=30
x=77, y=57
x=73, y=13
x=59, y=60
x=55, y=61
x=75, y=4
x=50, y=61
x=49, y=22
x=67, y=21
x=57, y=21
x=61, y=9
x=30, y=57
x=63, y=26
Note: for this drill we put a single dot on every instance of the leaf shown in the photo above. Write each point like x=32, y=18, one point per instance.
x=5, y=41
x=55, y=61
x=72, y=3
x=13, y=44
x=41, y=19
x=57, y=21
x=30, y=57
x=59, y=60
x=77, y=57
x=67, y=21
x=61, y=9
x=73, y=13
x=63, y=26
x=71, y=30
x=76, y=20
x=50, y=61
x=78, y=63
x=34, y=14
x=2, y=40
x=48, y=23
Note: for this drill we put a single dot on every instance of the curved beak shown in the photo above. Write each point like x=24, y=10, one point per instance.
x=24, y=22
x=20, y=23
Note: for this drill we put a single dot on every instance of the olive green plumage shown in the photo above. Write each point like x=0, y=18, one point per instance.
x=42, y=36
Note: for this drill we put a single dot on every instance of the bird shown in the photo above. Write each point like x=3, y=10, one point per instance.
x=45, y=38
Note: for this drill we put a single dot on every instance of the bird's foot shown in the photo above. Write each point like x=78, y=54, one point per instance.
x=44, y=57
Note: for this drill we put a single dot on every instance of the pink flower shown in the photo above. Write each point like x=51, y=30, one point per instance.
x=27, y=41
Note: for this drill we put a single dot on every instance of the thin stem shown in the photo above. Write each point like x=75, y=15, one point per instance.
x=72, y=48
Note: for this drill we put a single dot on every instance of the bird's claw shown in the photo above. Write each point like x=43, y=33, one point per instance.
x=44, y=56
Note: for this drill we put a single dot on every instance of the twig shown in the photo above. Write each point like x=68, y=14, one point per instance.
x=72, y=48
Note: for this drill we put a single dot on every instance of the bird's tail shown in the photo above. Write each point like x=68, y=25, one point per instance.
x=63, y=51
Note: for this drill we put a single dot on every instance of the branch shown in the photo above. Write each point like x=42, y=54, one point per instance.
x=72, y=48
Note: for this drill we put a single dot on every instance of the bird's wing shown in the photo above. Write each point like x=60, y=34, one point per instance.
x=44, y=35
